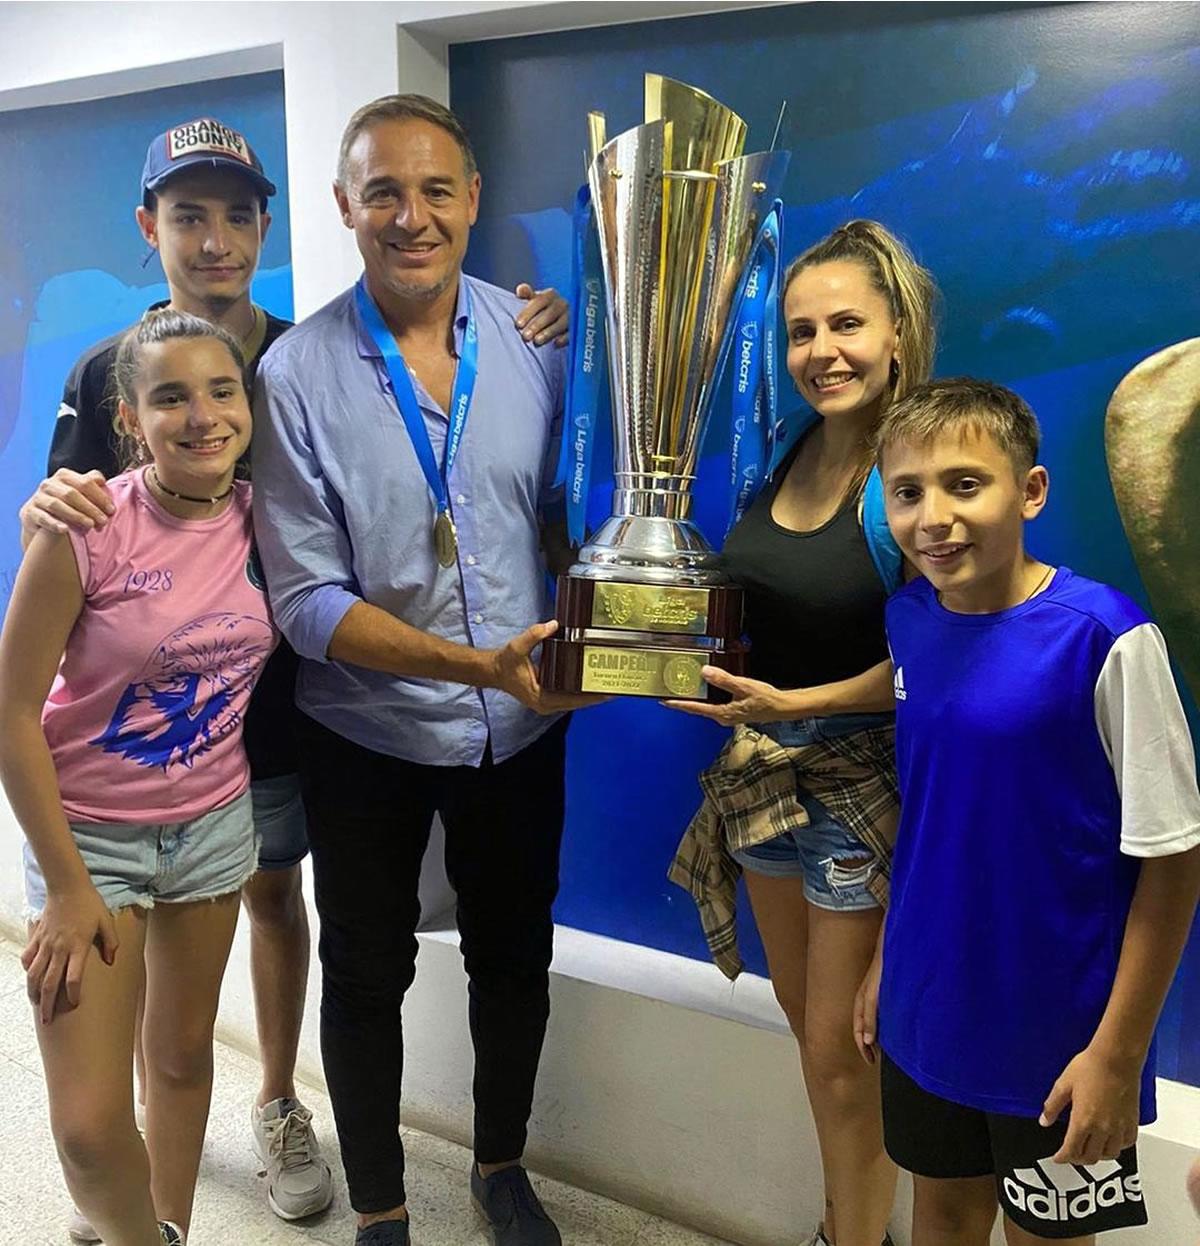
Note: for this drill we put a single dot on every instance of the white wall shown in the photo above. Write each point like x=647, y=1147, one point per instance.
x=335, y=56
x=661, y=1085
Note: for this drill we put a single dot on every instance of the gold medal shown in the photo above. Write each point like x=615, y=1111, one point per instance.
x=445, y=539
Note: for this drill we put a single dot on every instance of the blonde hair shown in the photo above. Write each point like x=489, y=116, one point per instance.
x=912, y=297
x=910, y=290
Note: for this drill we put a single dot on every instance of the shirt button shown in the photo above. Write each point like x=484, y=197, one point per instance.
x=471, y=560
x=462, y=497
x=479, y=618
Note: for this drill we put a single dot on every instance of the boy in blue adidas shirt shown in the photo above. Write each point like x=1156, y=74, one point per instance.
x=1048, y=860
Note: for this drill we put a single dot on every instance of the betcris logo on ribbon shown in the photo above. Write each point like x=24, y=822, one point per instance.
x=748, y=486
x=591, y=311
x=749, y=334
x=588, y=364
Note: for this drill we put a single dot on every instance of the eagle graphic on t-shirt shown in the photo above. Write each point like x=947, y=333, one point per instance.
x=185, y=698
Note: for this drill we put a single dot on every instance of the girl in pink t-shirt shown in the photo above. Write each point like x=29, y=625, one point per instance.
x=126, y=663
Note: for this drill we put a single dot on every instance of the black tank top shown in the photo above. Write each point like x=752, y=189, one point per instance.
x=814, y=601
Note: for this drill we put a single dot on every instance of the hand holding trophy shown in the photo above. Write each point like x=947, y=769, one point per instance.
x=688, y=236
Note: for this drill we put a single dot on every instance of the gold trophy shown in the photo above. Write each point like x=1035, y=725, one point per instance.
x=678, y=209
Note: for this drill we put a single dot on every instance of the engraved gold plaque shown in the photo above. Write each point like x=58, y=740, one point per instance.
x=643, y=672
x=650, y=608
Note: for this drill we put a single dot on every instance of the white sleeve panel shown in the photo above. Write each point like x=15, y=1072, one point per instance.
x=1145, y=734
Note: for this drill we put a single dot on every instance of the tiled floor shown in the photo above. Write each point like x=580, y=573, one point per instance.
x=230, y=1205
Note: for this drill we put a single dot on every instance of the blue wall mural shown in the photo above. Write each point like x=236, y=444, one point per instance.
x=1043, y=161
x=75, y=268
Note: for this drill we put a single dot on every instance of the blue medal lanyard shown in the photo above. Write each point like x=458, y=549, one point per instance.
x=406, y=397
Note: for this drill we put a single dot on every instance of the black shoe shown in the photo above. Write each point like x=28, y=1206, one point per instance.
x=507, y=1202
x=383, y=1233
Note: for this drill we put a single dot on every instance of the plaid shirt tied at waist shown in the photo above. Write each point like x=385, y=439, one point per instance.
x=751, y=795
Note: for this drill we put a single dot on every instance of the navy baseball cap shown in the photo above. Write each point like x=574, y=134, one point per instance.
x=204, y=143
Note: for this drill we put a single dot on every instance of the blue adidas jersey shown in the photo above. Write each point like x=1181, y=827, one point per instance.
x=1017, y=733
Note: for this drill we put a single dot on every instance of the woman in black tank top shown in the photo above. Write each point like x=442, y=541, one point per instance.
x=859, y=314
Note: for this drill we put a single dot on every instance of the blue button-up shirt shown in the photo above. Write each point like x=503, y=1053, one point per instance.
x=343, y=514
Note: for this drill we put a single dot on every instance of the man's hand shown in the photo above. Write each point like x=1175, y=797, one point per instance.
x=60, y=943
x=546, y=315
x=67, y=500
x=516, y=675
x=1103, y=1094
x=753, y=700
x=866, y=1011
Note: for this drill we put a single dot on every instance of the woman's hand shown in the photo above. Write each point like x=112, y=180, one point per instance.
x=60, y=943
x=752, y=700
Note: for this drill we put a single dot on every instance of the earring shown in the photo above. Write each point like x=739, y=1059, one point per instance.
x=895, y=370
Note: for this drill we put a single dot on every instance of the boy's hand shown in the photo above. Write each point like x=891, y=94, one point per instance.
x=67, y=500
x=1103, y=1094
x=752, y=700
x=866, y=1011
x=546, y=315
x=60, y=942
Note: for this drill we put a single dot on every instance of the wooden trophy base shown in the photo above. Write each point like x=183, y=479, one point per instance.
x=625, y=638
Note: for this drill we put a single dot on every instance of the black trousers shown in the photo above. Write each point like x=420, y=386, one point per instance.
x=369, y=817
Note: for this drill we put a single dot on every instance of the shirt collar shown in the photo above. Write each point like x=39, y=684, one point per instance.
x=366, y=344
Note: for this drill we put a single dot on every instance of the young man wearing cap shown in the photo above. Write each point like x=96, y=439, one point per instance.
x=204, y=210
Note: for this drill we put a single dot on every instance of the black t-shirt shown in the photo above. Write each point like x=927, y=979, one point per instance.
x=85, y=440
x=814, y=601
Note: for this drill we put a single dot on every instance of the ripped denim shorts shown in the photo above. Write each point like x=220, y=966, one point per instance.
x=836, y=866
x=171, y=863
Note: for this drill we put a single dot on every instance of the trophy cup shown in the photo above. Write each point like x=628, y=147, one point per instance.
x=678, y=210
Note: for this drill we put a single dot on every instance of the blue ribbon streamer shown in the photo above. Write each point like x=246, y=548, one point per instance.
x=755, y=380
x=585, y=378
x=755, y=388
x=406, y=397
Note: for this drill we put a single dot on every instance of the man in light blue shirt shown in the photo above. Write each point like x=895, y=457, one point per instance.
x=408, y=574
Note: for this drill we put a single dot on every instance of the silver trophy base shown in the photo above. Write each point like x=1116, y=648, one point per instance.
x=650, y=549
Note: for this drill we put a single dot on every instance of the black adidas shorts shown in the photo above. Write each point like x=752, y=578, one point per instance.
x=932, y=1137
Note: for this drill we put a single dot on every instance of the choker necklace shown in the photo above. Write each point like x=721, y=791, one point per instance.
x=186, y=497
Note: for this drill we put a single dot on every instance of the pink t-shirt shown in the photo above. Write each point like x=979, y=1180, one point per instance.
x=145, y=716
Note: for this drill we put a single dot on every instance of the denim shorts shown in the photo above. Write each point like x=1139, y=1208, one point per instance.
x=815, y=853
x=144, y=864
x=279, y=821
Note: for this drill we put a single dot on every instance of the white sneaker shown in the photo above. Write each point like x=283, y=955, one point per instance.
x=299, y=1182
x=80, y=1228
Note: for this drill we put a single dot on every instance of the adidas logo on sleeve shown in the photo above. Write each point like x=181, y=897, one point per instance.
x=898, y=684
